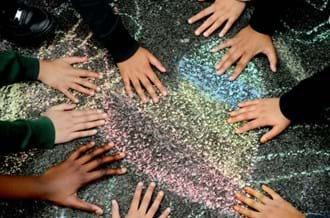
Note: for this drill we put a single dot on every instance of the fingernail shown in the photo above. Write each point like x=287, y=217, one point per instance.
x=140, y=184
x=168, y=210
x=92, y=143
x=163, y=69
x=221, y=34
x=238, y=131
x=152, y=184
x=102, y=122
x=213, y=50
x=98, y=89
x=206, y=34
x=231, y=78
x=94, y=131
x=101, y=76
x=189, y=21
x=235, y=207
x=99, y=212
x=197, y=33
x=161, y=193
x=113, y=203
x=229, y=120
x=76, y=101
x=124, y=170
x=156, y=100
x=122, y=154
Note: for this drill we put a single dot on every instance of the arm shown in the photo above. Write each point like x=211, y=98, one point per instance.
x=23, y=134
x=307, y=100
x=17, y=68
x=107, y=27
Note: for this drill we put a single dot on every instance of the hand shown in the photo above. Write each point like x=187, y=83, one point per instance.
x=62, y=182
x=140, y=209
x=59, y=74
x=70, y=124
x=220, y=12
x=137, y=71
x=260, y=113
x=266, y=207
x=243, y=47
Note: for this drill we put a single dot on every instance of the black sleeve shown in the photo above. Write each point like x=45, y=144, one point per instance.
x=267, y=14
x=107, y=27
x=308, y=99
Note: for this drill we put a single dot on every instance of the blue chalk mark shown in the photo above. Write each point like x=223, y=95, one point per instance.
x=203, y=77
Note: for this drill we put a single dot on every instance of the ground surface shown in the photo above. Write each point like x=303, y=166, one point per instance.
x=183, y=143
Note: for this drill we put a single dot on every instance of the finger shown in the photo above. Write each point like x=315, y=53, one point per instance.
x=87, y=157
x=214, y=27
x=77, y=153
x=249, y=202
x=115, y=209
x=74, y=60
x=154, y=207
x=249, y=126
x=226, y=44
x=89, y=118
x=146, y=83
x=210, y=21
x=104, y=172
x=82, y=134
x=246, y=212
x=271, y=192
x=272, y=58
x=155, y=62
x=77, y=203
x=231, y=59
x=128, y=86
x=240, y=67
x=154, y=79
x=166, y=213
x=63, y=107
x=88, y=74
x=226, y=28
x=137, y=196
x=88, y=84
x=147, y=197
x=242, y=110
x=88, y=125
x=249, y=103
x=138, y=88
x=207, y=11
x=81, y=89
x=243, y=117
x=104, y=160
x=69, y=95
x=258, y=195
x=271, y=134
x=86, y=112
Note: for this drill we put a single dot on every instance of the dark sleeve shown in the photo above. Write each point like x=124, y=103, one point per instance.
x=24, y=134
x=267, y=14
x=17, y=68
x=308, y=99
x=107, y=28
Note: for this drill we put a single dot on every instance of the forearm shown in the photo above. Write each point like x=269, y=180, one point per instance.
x=308, y=99
x=107, y=27
x=21, y=187
x=17, y=68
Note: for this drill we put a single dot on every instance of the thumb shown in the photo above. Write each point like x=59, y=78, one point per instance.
x=115, y=209
x=63, y=107
x=75, y=60
x=155, y=62
x=77, y=203
x=270, y=134
x=272, y=58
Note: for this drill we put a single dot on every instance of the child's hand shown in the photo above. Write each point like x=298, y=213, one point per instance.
x=266, y=207
x=137, y=71
x=260, y=113
x=220, y=12
x=141, y=209
x=61, y=183
x=243, y=47
x=59, y=74
x=70, y=124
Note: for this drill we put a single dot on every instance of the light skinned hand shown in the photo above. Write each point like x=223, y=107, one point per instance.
x=242, y=48
x=136, y=72
x=219, y=13
x=140, y=209
x=266, y=207
x=60, y=74
x=62, y=182
x=260, y=113
x=72, y=124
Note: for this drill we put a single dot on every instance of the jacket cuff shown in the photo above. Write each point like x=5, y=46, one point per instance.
x=43, y=133
x=120, y=44
x=31, y=68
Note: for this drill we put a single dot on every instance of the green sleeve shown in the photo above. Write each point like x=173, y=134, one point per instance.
x=24, y=134
x=17, y=68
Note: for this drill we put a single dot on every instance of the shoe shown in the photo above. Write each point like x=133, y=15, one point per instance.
x=26, y=24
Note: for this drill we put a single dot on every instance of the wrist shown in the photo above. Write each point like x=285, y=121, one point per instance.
x=43, y=187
